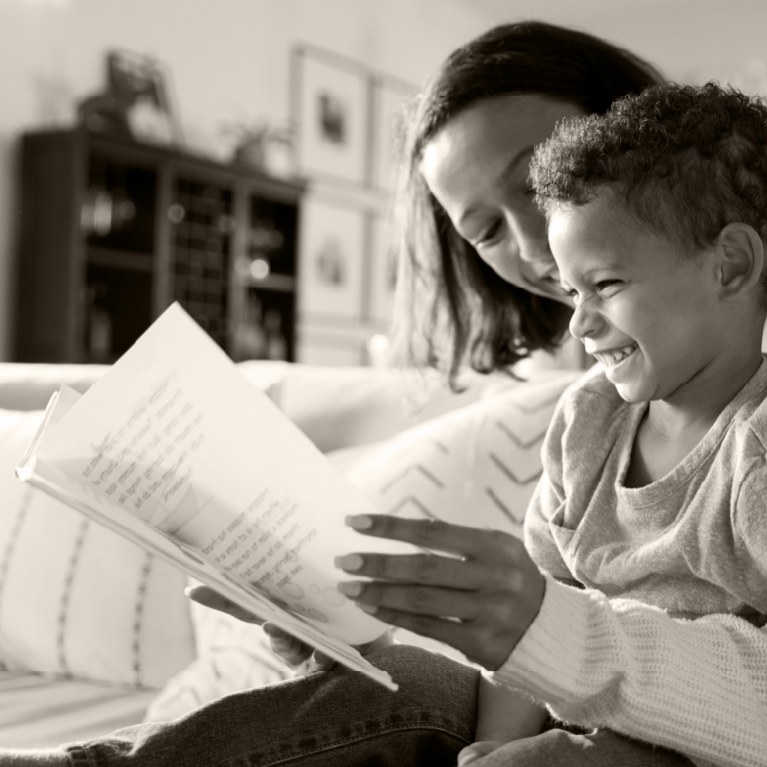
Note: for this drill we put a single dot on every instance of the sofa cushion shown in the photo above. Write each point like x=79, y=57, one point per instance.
x=40, y=711
x=75, y=598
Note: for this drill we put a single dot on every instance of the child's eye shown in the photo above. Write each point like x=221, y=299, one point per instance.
x=604, y=285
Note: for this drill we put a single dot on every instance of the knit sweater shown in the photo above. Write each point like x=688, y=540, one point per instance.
x=666, y=642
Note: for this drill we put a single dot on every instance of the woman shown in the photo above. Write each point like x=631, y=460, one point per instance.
x=478, y=289
x=477, y=282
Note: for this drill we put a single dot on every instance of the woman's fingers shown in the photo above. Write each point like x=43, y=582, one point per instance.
x=426, y=569
x=466, y=542
x=207, y=597
x=293, y=652
x=423, y=600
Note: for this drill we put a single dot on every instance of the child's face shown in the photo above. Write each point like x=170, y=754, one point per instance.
x=648, y=313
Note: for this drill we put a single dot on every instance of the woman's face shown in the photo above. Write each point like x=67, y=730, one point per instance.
x=476, y=166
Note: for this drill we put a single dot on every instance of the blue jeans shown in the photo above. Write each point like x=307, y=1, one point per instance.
x=343, y=719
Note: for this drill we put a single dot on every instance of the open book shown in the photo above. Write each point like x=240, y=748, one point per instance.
x=176, y=450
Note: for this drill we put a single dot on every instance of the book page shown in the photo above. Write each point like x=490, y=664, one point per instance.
x=174, y=436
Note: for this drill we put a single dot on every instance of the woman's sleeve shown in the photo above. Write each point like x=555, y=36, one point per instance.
x=698, y=687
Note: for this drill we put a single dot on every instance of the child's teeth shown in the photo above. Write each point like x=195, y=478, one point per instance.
x=613, y=358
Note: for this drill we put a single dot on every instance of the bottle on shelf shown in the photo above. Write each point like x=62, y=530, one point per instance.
x=99, y=326
x=276, y=343
x=251, y=340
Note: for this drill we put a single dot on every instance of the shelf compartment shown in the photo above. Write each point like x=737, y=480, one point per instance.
x=118, y=259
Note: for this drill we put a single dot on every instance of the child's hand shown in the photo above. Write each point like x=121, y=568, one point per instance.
x=480, y=600
x=476, y=750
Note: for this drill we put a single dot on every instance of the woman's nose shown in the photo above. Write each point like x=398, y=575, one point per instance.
x=537, y=263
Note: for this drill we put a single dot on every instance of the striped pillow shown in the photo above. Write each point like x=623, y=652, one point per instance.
x=77, y=600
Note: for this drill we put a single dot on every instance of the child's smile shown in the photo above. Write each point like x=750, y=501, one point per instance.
x=612, y=358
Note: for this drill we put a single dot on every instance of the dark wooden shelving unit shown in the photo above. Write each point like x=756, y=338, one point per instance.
x=112, y=231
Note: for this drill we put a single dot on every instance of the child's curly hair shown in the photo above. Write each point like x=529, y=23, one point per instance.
x=686, y=161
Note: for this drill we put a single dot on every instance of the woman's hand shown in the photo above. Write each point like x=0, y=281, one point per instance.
x=293, y=652
x=480, y=599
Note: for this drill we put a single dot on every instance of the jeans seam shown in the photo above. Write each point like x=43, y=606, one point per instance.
x=340, y=742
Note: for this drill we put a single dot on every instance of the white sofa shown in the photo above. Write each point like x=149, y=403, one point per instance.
x=96, y=634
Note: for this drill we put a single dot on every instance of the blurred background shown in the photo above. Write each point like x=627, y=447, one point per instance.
x=236, y=155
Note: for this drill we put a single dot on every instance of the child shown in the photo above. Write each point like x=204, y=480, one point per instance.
x=655, y=478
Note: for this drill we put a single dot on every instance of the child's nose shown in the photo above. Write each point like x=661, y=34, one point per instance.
x=585, y=320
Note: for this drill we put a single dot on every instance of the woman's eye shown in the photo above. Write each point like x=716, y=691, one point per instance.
x=487, y=235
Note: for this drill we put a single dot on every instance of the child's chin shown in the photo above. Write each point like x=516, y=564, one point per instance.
x=630, y=394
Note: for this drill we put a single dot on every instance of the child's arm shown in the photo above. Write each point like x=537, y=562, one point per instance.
x=503, y=714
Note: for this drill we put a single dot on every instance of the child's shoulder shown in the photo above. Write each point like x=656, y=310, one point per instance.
x=591, y=399
x=751, y=418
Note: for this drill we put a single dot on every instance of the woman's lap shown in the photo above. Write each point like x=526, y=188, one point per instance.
x=334, y=717
x=341, y=718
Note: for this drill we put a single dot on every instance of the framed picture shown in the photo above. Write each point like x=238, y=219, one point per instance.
x=332, y=252
x=140, y=86
x=390, y=99
x=382, y=271
x=330, y=113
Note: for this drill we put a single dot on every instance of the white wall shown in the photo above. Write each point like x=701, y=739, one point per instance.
x=229, y=59
x=686, y=39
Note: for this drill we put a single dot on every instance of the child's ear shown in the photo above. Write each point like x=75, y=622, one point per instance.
x=741, y=258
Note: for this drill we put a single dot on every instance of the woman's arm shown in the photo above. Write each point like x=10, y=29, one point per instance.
x=699, y=687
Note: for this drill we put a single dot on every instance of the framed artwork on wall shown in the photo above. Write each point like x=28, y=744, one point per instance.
x=331, y=110
x=389, y=101
x=332, y=253
x=382, y=271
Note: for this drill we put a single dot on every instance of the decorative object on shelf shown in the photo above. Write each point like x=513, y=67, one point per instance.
x=331, y=114
x=140, y=83
x=262, y=145
x=333, y=244
x=136, y=102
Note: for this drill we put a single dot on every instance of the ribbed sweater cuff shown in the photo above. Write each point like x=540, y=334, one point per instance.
x=545, y=662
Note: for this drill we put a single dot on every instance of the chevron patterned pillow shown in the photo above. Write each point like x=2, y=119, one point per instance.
x=477, y=465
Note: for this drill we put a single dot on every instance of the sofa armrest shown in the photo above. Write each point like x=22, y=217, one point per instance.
x=29, y=386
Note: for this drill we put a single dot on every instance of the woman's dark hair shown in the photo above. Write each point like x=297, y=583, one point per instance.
x=452, y=309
